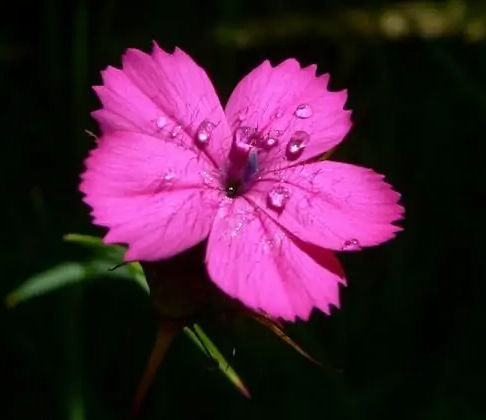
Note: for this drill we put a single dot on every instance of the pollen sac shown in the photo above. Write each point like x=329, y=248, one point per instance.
x=251, y=166
x=296, y=145
x=303, y=111
x=244, y=139
x=244, y=142
x=277, y=198
x=203, y=133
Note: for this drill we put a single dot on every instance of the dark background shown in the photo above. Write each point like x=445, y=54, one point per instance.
x=410, y=335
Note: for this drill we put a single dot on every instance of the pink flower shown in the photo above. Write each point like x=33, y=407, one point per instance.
x=173, y=169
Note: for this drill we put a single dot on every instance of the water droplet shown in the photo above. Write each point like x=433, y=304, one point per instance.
x=208, y=178
x=176, y=131
x=296, y=145
x=237, y=228
x=303, y=111
x=268, y=245
x=270, y=140
x=277, y=198
x=167, y=178
x=203, y=133
x=161, y=122
x=278, y=114
x=351, y=245
x=169, y=175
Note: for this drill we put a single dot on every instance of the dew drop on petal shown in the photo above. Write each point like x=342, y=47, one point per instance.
x=203, y=133
x=270, y=140
x=237, y=228
x=278, y=114
x=296, y=145
x=207, y=177
x=169, y=175
x=351, y=245
x=167, y=178
x=160, y=122
x=277, y=198
x=176, y=131
x=303, y=111
x=268, y=246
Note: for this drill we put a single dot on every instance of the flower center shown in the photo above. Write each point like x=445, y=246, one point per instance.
x=242, y=160
x=233, y=188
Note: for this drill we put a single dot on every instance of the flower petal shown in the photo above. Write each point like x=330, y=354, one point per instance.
x=252, y=259
x=164, y=95
x=333, y=205
x=151, y=194
x=287, y=99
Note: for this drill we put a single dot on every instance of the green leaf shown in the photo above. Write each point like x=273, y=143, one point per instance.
x=115, y=253
x=88, y=240
x=136, y=273
x=54, y=278
x=96, y=243
x=106, y=263
x=203, y=342
x=70, y=273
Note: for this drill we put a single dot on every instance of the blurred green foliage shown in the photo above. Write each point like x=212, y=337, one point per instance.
x=106, y=263
x=408, y=341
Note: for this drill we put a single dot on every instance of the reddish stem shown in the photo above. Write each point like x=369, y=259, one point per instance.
x=163, y=340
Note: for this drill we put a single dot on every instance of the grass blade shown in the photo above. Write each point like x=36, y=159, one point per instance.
x=204, y=343
x=47, y=281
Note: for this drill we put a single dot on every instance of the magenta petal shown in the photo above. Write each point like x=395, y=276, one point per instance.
x=252, y=259
x=333, y=205
x=124, y=106
x=182, y=92
x=152, y=195
x=288, y=99
x=166, y=96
